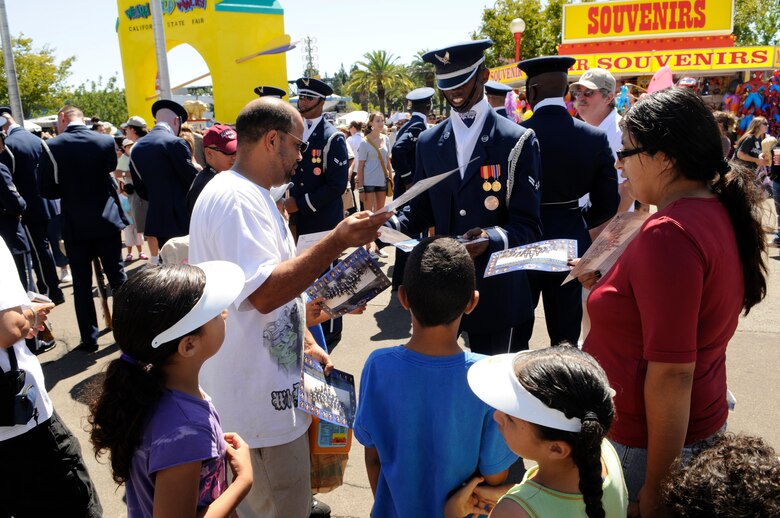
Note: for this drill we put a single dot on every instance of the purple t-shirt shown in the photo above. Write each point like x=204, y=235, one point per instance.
x=181, y=429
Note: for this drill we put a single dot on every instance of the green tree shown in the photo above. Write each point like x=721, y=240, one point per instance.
x=98, y=100
x=542, y=29
x=41, y=79
x=422, y=73
x=757, y=22
x=376, y=74
x=340, y=78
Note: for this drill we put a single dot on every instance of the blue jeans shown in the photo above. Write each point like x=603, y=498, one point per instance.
x=634, y=461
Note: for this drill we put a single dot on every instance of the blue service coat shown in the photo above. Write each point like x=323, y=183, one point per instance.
x=23, y=152
x=403, y=155
x=12, y=206
x=576, y=160
x=77, y=168
x=318, y=185
x=455, y=206
x=162, y=171
x=502, y=112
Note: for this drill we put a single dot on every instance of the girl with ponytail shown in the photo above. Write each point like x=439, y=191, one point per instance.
x=160, y=430
x=553, y=406
x=663, y=315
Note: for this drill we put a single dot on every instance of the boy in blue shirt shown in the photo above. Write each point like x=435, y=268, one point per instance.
x=423, y=429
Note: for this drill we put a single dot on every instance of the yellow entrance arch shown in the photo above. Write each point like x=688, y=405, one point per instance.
x=223, y=32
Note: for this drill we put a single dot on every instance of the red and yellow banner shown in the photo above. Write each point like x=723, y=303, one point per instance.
x=630, y=20
x=724, y=59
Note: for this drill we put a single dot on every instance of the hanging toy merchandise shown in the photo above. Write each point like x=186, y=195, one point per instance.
x=623, y=100
x=512, y=107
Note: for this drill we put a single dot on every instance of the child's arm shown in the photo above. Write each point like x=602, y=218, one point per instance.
x=241, y=466
x=373, y=467
x=176, y=489
x=498, y=478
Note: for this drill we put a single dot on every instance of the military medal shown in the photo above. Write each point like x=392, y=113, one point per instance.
x=316, y=156
x=496, y=186
x=491, y=203
x=496, y=176
x=486, y=174
x=317, y=171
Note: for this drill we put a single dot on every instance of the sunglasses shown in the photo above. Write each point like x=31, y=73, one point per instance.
x=625, y=153
x=214, y=148
x=583, y=93
x=302, y=146
x=304, y=97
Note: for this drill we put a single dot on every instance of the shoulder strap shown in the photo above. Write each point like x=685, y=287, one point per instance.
x=54, y=167
x=13, y=159
x=379, y=154
x=12, y=360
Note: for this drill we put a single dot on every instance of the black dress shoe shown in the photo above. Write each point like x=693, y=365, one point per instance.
x=44, y=346
x=319, y=509
x=87, y=348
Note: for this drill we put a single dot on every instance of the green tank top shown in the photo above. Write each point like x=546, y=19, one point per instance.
x=542, y=502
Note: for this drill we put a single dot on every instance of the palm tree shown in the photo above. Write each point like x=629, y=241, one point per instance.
x=422, y=73
x=378, y=72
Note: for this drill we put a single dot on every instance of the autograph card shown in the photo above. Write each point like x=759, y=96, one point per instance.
x=547, y=256
x=331, y=398
x=350, y=284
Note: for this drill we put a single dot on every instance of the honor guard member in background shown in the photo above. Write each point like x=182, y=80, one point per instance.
x=22, y=154
x=403, y=157
x=496, y=96
x=315, y=203
x=269, y=91
x=161, y=165
x=76, y=167
x=576, y=160
x=494, y=196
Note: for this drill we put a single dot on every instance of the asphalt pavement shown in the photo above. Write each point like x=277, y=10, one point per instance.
x=753, y=361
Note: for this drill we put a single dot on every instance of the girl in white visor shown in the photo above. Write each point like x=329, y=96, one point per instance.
x=160, y=429
x=553, y=406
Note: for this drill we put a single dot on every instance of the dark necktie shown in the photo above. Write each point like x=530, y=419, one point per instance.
x=468, y=117
x=308, y=124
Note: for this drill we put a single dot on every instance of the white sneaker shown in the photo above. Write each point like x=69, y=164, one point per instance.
x=66, y=278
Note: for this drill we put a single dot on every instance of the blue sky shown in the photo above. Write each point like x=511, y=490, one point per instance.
x=344, y=30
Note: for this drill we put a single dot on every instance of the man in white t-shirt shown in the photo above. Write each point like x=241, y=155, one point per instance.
x=594, y=98
x=43, y=473
x=254, y=379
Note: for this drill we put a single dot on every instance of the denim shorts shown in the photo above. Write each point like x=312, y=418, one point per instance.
x=374, y=188
x=634, y=461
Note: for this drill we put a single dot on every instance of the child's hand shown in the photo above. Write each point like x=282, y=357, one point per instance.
x=490, y=495
x=238, y=458
x=314, y=313
x=464, y=502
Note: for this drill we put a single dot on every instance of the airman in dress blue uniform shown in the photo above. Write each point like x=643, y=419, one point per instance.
x=321, y=178
x=162, y=170
x=496, y=96
x=21, y=157
x=495, y=194
x=576, y=160
x=76, y=166
x=404, y=157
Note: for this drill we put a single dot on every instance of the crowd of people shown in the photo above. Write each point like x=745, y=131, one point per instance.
x=633, y=424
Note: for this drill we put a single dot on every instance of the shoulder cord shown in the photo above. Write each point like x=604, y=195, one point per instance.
x=327, y=148
x=514, y=156
x=45, y=147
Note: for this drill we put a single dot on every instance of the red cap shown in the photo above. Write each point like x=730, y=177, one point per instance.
x=222, y=137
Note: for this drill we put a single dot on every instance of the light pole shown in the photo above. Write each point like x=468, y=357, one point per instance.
x=517, y=26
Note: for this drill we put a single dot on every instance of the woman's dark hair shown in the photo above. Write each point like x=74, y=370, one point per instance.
x=146, y=305
x=569, y=380
x=367, y=128
x=676, y=122
x=736, y=476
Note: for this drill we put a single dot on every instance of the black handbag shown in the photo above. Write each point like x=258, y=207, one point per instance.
x=17, y=400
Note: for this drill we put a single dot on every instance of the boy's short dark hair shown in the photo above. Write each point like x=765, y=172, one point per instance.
x=738, y=475
x=439, y=281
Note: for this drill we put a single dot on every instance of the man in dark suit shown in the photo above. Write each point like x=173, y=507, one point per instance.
x=404, y=158
x=77, y=167
x=494, y=195
x=162, y=171
x=315, y=203
x=496, y=96
x=576, y=160
x=21, y=157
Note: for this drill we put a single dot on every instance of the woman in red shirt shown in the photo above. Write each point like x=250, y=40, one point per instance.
x=663, y=315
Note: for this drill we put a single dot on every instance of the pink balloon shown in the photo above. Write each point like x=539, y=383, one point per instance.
x=661, y=80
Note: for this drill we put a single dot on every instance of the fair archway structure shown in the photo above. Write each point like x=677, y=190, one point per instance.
x=242, y=42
